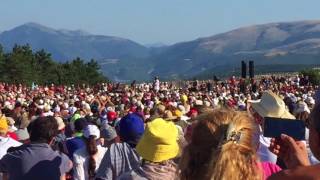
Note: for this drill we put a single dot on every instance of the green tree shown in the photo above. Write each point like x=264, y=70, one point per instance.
x=313, y=74
x=22, y=65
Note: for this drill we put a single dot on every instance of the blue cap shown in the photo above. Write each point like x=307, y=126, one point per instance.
x=131, y=128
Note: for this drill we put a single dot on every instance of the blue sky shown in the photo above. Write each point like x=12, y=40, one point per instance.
x=150, y=21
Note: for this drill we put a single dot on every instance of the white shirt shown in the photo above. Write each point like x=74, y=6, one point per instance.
x=263, y=152
x=157, y=85
x=6, y=143
x=81, y=162
x=312, y=159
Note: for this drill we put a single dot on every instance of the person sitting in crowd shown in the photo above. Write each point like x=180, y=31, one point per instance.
x=122, y=157
x=87, y=159
x=109, y=135
x=37, y=160
x=295, y=154
x=224, y=146
x=6, y=142
x=77, y=141
x=270, y=105
x=157, y=148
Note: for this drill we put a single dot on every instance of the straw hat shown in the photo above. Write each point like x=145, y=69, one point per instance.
x=161, y=108
x=169, y=116
x=271, y=105
x=159, y=141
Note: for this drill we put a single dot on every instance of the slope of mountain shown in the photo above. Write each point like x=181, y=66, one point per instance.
x=281, y=43
x=288, y=43
x=66, y=45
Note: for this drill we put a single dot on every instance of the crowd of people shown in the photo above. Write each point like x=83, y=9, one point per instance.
x=159, y=130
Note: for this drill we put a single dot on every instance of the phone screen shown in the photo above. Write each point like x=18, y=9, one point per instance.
x=274, y=127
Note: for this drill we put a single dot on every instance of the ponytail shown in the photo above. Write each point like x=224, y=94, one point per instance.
x=234, y=161
x=223, y=146
x=92, y=150
x=235, y=157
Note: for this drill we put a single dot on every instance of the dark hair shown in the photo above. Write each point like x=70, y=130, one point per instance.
x=92, y=150
x=80, y=124
x=43, y=129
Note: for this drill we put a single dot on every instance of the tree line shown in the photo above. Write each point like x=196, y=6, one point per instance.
x=25, y=66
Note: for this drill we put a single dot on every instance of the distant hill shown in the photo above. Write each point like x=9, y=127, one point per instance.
x=65, y=45
x=285, y=44
x=274, y=43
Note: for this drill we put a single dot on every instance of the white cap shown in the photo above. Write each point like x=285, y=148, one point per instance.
x=199, y=102
x=91, y=130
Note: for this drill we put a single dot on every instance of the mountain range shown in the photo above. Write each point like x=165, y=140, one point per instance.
x=288, y=45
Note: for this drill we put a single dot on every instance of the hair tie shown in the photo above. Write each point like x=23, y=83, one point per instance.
x=231, y=135
x=234, y=137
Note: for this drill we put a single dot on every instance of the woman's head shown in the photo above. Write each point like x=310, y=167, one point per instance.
x=223, y=146
x=159, y=141
x=91, y=134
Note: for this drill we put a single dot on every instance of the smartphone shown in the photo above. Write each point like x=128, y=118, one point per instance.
x=274, y=127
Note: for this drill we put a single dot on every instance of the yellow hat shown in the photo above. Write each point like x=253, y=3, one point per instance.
x=169, y=116
x=3, y=124
x=159, y=141
x=178, y=113
x=184, y=98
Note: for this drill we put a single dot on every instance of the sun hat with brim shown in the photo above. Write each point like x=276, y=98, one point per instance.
x=161, y=108
x=271, y=105
x=159, y=141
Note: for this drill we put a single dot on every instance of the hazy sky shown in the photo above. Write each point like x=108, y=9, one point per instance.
x=150, y=21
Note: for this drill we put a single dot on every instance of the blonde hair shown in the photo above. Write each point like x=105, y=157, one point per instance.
x=223, y=146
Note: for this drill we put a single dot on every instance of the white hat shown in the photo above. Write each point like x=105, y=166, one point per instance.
x=271, y=105
x=56, y=109
x=47, y=107
x=72, y=110
x=87, y=107
x=199, y=102
x=60, y=122
x=207, y=103
x=302, y=107
x=91, y=130
x=41, y=101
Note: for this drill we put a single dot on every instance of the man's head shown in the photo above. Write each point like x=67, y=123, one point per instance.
x=43, y=129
